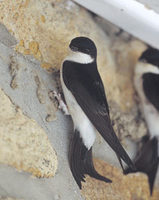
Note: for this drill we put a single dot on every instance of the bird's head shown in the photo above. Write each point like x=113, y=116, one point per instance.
x=148, y=62
x=150, y=56
x=84, y=45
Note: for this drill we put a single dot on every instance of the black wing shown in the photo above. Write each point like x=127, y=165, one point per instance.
x=147, y=161
x=84, y=82
x=81, y=162
x=151, y=88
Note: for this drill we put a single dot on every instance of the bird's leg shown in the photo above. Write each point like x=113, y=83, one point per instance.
x=61, y=104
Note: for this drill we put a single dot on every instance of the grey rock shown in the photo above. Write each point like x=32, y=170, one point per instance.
x=5, y=37
x=19, y=184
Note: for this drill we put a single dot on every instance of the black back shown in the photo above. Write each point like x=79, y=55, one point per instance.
x=151, y=88
x=85, y=84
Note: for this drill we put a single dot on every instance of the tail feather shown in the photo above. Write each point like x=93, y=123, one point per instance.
x=81, y=162
x=147, y=161
x=90, y=170
x=121, y=153
x=113, y=141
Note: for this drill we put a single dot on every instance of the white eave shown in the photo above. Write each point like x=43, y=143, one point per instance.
x=130, y=15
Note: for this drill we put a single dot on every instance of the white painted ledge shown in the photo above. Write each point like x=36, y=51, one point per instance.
x=130, y=15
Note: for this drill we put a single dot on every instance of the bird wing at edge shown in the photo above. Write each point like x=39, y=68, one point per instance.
x=150, y=86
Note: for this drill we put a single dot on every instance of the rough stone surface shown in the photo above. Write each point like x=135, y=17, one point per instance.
x=23, y=142
x=43, y=29
x=133, y=186
x=32, y=96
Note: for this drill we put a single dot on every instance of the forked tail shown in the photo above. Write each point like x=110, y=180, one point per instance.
x=81, y=162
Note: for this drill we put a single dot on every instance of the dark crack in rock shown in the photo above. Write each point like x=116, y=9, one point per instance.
x=14, y=72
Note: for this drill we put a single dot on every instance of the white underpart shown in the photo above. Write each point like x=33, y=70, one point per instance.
x=80, y=120
x=80, y=57
x=149, y=111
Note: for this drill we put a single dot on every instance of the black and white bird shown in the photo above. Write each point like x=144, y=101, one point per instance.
x=87, y=104
x=146, y=81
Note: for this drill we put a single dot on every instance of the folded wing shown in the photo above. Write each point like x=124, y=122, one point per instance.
x=85, y=84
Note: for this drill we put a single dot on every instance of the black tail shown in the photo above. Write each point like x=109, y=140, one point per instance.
x=120, y=151
x=147, y=161
x=81, y=163
x=108, y=133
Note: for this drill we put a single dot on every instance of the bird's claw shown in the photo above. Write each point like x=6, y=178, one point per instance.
x=61, y=105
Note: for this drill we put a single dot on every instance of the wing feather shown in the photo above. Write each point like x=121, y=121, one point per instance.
x=151, y=88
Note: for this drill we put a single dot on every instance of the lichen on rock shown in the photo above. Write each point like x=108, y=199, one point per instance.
x=23, y=142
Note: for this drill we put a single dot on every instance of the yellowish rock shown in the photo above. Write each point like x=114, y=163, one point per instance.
x=21, y=43
x=38, y=55
x=26, y=51
x=23, y=142
x=130, y=187
x=46, y=65
x=63, y=19
x=43, y=18
x=34, y=47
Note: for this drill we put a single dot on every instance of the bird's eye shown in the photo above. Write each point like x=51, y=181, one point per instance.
x=74, y=48
x=144, y=60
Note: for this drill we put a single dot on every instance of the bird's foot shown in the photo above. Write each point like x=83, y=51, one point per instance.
x=61, y=105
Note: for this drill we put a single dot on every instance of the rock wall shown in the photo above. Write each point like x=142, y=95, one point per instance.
x=24, y=144
x=34, y=135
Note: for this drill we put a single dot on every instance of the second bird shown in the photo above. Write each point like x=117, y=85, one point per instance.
x=146, y=82
x=86, y=100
